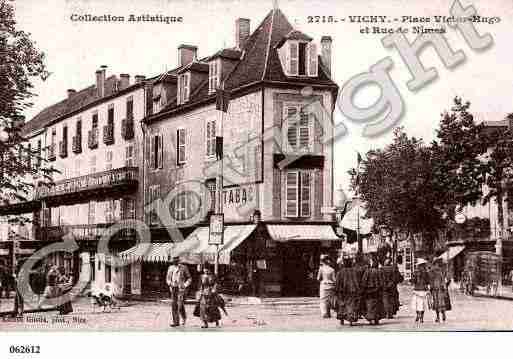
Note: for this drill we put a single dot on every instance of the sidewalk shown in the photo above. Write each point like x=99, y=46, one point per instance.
x=506, y=293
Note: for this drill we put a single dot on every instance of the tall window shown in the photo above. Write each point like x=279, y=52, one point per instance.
x=130, y=107
x=214, y=75
x=95, y=121
x=302, y=59
x=299, y=129
x=39, y=148
x=180, y=142
x=110, y=115
x=184, y=81
x=156, y=151
x=92, y=164
x=298, y=194
x=129, y=156
x=153, y=196
x=108, y=160
x=211, y=138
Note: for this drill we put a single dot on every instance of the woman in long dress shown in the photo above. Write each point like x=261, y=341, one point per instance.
x=208, y=303
x=391, y=278
x=372, y=288
x=326, y=278
x=439, y=291
x=348, y=293
x=420, y=281
x=64, y=283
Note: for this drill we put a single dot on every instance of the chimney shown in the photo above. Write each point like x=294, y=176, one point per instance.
x=186, y=54
x=242, y=31
x=71, y=92
x=124, y=81
x=100, y=81
x=326, y=42
x=139, y=78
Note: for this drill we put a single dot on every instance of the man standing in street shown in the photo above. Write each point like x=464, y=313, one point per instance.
x=178, y=279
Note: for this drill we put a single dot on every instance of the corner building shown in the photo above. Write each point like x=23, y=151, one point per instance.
x=277, y=191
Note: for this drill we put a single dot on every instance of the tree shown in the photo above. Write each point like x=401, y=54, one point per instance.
x=472, y=156
x=398, y=187
x=20, y=63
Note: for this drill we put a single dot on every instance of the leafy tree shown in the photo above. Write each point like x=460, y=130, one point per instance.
x=20, y=63
x=398, y=186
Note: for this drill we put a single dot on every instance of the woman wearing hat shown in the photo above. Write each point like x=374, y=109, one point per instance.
x=438, y=283
x=420, y=281
x=327, y=279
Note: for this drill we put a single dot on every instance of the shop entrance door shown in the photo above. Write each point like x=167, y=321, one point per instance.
x=300, y=265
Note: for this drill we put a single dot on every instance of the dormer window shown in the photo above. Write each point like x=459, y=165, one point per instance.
x=214, y=75
x=184, y=85
x=301, y=58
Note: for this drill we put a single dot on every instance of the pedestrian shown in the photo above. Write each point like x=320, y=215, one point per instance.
x=438, y=288
x=372, y=289
x=51, y=289
x=209, y=300
x=420, y=281
x=511, y=278
x=326, y=278
x=178, y=279
x=391, y=278
x=64, y=283
x=348, y=293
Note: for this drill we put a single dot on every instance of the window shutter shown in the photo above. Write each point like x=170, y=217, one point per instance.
x=186, y=79
x=180, y=134
x=305, y=194
x=313, y=63
x=294, y=58
x=161, y=151
x=292, y=194
x=179, y=92
x=151, y=139
x=304, y=131
x=292, y=128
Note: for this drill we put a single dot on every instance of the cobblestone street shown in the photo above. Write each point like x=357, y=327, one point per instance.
x=283, y=314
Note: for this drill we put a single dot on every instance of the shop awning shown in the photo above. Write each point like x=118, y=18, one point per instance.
x=302, y=232
x=451, y=253
x=200, y=251
x=355, y=219
x=194, y=249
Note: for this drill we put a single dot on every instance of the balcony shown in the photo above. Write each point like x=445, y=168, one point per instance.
x=76, y=144
x=97, y=185
x=63, y=149
x=82, y=232
x=51, y=153
x=92, y=139
x=127, y=129
x=108, y=135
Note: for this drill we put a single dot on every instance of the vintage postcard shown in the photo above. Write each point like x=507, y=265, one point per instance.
x=227, y=166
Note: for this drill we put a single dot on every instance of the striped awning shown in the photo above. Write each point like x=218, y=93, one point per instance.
x=302, y=232
x=451, y=252
x=194, y=249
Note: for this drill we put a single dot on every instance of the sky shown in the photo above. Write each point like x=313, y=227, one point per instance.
x=75, y=50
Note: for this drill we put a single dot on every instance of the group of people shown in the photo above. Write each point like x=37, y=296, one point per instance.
x=359, y=288
x=58, y=283
x=430, y=290
x=367, y=288
x=179, y=279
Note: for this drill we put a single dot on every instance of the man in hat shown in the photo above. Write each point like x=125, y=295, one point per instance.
x=178, y=279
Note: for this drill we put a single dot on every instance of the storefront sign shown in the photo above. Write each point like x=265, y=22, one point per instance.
x=215, y=235
x=238, y=195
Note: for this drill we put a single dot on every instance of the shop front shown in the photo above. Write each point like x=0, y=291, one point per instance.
x=254, y=259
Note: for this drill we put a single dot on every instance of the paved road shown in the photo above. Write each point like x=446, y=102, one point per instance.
x=294, y=314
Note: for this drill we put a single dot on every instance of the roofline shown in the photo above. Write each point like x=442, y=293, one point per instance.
x=88, y=106
x=242, y=89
